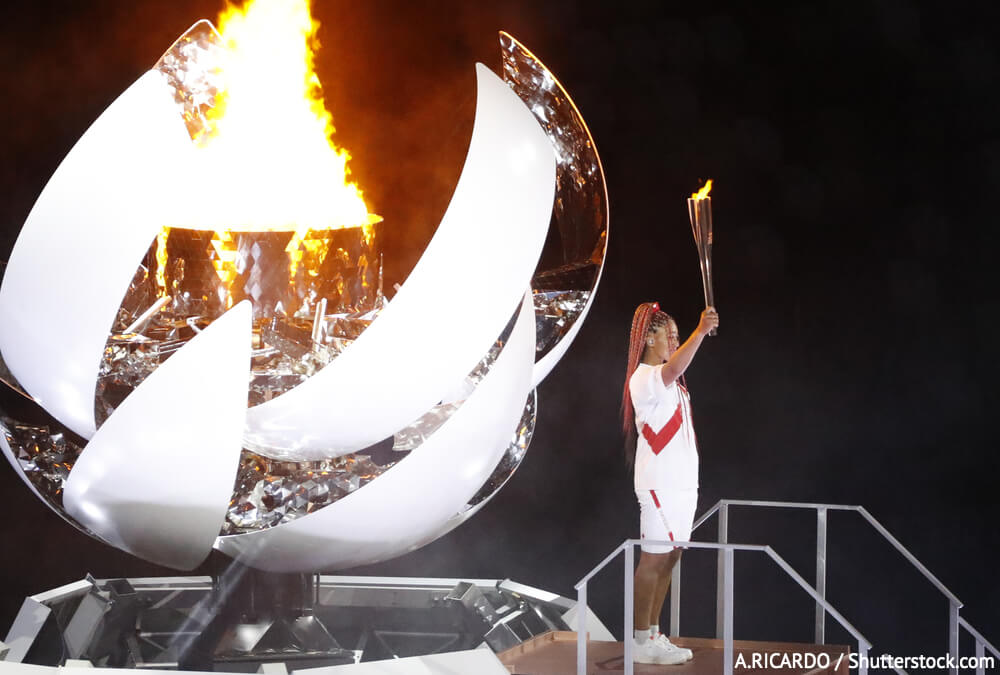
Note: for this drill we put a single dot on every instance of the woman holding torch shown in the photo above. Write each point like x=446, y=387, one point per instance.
x=660, y=442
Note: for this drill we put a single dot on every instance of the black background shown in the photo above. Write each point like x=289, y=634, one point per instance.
x=855, y=153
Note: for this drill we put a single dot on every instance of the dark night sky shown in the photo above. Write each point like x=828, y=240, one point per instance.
x=854, y=148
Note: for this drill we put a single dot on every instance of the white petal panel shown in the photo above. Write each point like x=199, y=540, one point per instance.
x=463, y=516
x=405, y=507
x=456, y=301
x=81, y=245
x=156, y=478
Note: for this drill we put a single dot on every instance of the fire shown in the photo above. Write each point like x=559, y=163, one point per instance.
x=703, y=192
x=266, y=160
x=269, y=160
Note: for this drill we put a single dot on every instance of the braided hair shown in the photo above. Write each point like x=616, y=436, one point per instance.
x=647, y=318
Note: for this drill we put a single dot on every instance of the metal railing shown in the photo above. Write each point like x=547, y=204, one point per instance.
x=955, y=621
x=982, y=644
x=724, y=617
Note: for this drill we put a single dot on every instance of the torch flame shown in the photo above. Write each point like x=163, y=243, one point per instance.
x=703, y=192
x=269, y=158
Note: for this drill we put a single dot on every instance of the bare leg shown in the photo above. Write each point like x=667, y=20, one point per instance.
x=652, y=568
x=662, y=586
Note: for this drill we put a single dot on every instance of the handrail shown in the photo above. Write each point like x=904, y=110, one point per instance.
x=839, y=507
x=684, y=544
x=758, y=502
x=600, y=566
x=727, y=550
x=978, y=636
x=705, y=516
x=955, y=621
x=790, y=571
x=909, y=556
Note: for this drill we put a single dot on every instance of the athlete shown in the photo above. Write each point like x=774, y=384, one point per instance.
x=660, y=441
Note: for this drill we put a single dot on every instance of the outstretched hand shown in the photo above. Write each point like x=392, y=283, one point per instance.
x=681, y=359
x=709, y=321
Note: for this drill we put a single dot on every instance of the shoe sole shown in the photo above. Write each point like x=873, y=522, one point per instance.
x=663, y=660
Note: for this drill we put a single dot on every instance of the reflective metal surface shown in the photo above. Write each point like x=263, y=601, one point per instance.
x=8, y=378
x=555, y=313
x=574, y=252
x=515, y=453
x=270, y=492
x=240, y=620
x=282, y=273
x=413, y=435
x=40, y=449
x=311, y=295
x=189, y=69
x=44, y=454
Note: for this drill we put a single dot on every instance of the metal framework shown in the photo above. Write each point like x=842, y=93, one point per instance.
x=724, y=586
x=725, y=620
x=955, y=622
x=245, y=619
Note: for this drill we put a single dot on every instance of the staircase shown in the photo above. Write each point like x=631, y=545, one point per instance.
x=731, y=650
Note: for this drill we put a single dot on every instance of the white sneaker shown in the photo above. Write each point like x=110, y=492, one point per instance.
x=652, y=651
x=663, y=642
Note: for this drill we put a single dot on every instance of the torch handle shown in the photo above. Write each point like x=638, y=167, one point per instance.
x=706, y=280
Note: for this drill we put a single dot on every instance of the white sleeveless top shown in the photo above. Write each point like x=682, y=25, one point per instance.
x=666, y=456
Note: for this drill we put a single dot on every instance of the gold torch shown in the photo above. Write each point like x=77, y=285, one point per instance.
x=700, y=213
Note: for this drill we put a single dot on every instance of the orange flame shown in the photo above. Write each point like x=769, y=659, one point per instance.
x=703, y=192
x=270, y=159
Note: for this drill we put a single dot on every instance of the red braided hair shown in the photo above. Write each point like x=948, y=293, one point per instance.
x=647, y=318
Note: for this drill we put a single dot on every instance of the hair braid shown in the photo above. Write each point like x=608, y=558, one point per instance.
x=647, y=318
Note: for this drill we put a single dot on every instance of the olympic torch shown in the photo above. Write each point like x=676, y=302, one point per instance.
x=700, y=213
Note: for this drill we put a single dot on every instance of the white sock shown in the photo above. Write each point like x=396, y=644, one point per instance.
x=642, y=636
x=654, y=629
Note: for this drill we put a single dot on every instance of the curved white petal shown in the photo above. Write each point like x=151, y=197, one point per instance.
x=157, y=477
x=405, y=507
x=81, y=244
x=459, y=518
x=451, y=308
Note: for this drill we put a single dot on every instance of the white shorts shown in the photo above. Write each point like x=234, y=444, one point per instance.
x=666, y=515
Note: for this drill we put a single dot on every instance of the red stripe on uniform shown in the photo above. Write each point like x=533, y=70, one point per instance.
x=655, y=500
x=658, y=439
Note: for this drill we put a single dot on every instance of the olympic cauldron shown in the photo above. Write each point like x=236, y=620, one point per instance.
x=370, y=427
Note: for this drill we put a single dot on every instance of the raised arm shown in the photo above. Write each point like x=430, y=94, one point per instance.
x=681, y=359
